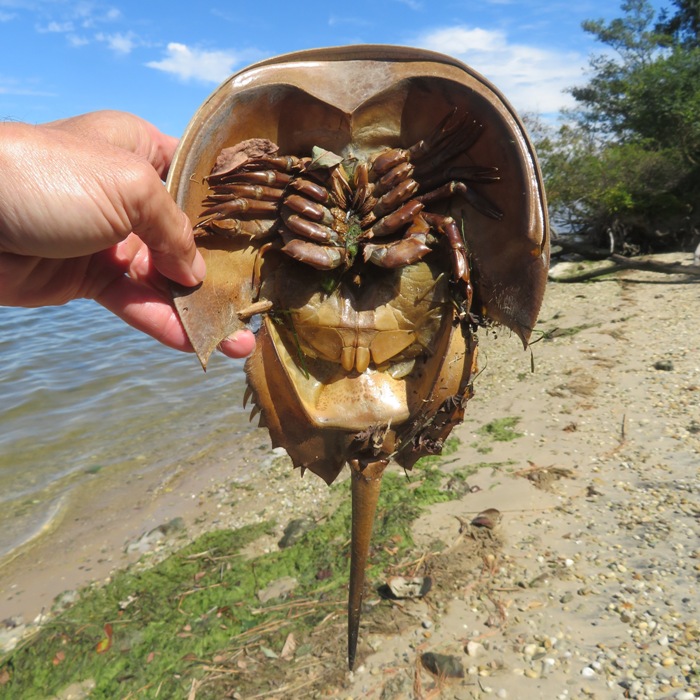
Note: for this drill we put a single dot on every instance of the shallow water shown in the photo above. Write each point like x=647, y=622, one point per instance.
x=81, y=392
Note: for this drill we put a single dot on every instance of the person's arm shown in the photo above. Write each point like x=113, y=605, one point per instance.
x=84, y=214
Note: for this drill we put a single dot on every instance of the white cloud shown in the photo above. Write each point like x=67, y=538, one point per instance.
x=55, y=28
x=200, y=64
x=77, y=41
x=412, y=4
x=7, y=16
x=533, y=79
x=86, y=16
x=12, y=86
x=120, y=43
x=91, y=16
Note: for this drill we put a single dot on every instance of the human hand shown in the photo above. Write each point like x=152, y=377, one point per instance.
x=84, y=214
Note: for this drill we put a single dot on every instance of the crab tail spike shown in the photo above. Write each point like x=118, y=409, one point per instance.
x=366, y=484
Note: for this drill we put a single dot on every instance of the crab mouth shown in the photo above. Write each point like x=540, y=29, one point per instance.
x=334, y=398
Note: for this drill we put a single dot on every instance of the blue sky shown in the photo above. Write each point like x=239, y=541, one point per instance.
x=161, y=59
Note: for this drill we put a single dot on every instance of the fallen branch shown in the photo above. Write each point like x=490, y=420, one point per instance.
x=619, y=262
x=655, y=266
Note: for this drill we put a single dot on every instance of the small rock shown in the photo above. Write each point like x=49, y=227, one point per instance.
x=664, y=365
x=401, y=587
x=442, y=665
x=150, y=539
x=281, y=588
x=488, y=518
x=588, y=672
x=530, y=649
x=77, y=691
x=473, y=648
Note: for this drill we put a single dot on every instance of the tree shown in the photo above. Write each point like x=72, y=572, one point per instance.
x=628, y=167
x=684, y=26
x=604, y=101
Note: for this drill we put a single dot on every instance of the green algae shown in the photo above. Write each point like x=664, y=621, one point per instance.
x=501, y=429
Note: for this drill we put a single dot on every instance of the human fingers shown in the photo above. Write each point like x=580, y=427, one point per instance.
x=31, y=281
x=142, y=298
x=126, y=131
x=240, y=344
x=134, y=189
x=145, y=309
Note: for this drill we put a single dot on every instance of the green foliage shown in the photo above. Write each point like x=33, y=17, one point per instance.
x=628, y=167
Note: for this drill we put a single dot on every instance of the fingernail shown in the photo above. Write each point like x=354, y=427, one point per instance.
x=199, y=267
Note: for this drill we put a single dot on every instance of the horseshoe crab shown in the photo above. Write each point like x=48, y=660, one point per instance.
x=374, y=206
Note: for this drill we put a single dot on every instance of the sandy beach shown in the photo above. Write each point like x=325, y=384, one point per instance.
x=588, y=586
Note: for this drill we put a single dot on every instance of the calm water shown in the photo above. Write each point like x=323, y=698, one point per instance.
x=80, y=391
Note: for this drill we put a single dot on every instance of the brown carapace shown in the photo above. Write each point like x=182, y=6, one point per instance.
x=373, y=206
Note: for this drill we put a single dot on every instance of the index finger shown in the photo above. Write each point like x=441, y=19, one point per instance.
x=162, y=226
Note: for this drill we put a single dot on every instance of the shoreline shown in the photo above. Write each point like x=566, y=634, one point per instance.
x=596, y=497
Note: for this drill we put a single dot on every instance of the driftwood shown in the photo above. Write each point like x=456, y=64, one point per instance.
x=563, y=245
x=619, y=262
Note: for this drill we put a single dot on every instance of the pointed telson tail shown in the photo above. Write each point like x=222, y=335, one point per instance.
x=366, y=484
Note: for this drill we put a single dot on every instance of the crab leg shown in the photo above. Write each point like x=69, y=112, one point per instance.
x=311, y=210
x=252, y=207
x=456, y=138
x=366, y=485
x=309, y=229
x=311, y=189
x=395, y=197
x=397, y=254
x=255, y=228
x=405, y=251
x=318, y=256
x=481, y=204
x=394, y=221
x=393, y=177
x=285, y=164
x=448, y=227
x=223, y=193
x=260, y=177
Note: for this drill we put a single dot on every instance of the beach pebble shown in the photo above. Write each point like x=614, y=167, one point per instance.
x=664, y=365
x=443, y=665
x=281, y=588
x=77, y=691
x=474, y=649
